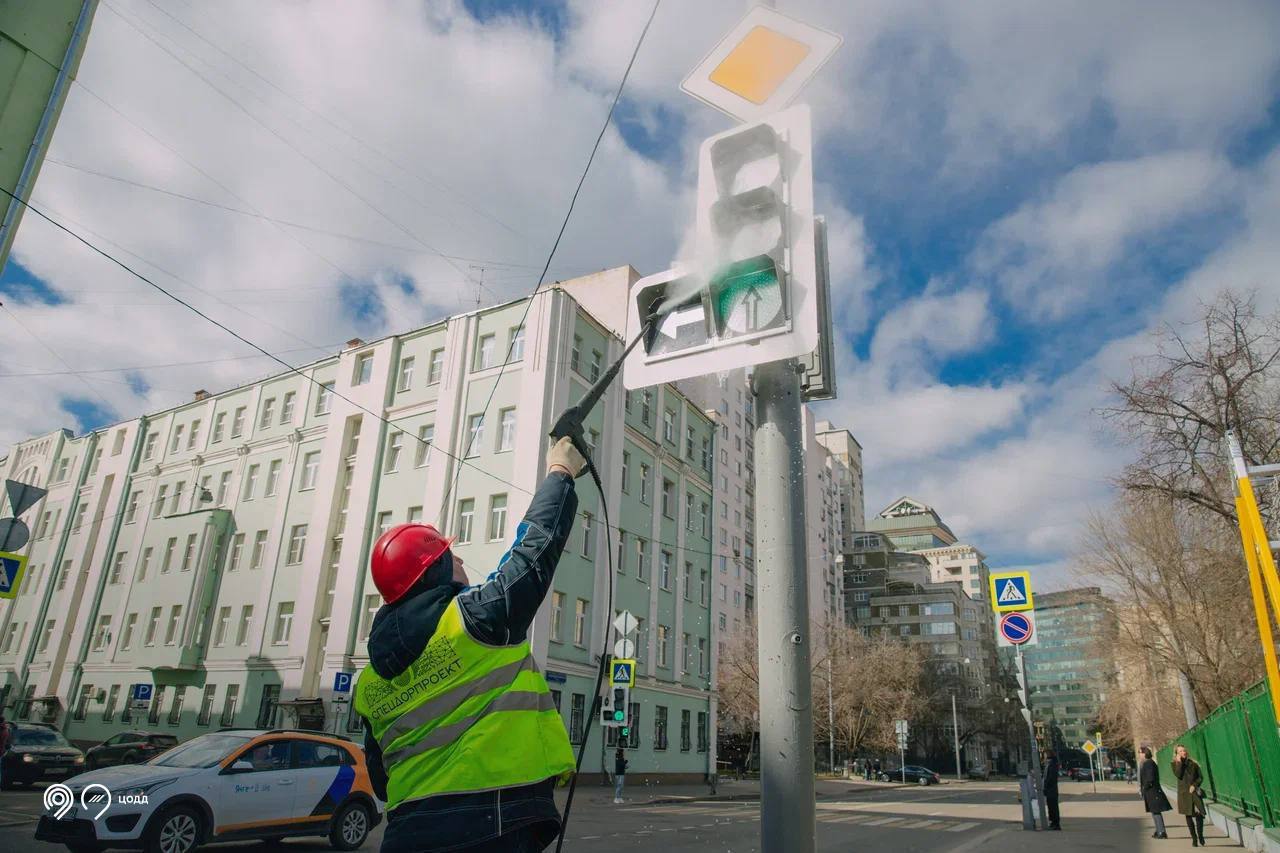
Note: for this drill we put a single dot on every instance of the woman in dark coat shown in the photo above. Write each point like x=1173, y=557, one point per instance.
x=1152, y=794
x=1190, y=797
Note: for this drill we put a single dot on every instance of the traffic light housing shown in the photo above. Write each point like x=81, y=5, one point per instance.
x=615, y=706
x=1022, y=685
x=750, y=294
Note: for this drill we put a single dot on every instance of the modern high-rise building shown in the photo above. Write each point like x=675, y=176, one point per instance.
x=1069, y=672
x=219, y=549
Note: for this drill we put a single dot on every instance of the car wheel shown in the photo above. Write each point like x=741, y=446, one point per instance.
x=884, y=777
x=350, y=827
x=130, y=758
x=924, y=780
x=177, y=830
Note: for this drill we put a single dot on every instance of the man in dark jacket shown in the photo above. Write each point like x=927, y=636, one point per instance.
x=496, y=613
x=1051, y=770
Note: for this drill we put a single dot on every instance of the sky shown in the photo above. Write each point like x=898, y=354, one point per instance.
x=1017, y=195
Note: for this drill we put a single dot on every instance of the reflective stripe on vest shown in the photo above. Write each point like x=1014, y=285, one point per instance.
x=464, y=717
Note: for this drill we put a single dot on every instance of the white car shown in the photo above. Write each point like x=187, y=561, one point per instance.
x=226, y=786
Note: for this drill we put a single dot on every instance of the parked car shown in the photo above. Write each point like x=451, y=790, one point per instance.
x=230, y=785
x=39, y=752
x=979, y=771
x=918, y=775
x=128, y=748
x=1080, y=774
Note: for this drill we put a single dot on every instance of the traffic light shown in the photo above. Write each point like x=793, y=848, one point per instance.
x=749, y=295
x=614, y=706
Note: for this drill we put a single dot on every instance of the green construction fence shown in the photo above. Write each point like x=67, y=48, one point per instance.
x=1238, y=748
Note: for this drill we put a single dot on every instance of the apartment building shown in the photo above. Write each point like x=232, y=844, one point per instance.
x=219, y=549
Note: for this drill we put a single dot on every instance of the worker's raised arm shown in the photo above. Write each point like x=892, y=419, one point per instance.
x=500, y=610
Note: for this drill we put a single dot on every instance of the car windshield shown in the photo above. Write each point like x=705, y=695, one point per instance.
x=38, y=737
x=204, y=751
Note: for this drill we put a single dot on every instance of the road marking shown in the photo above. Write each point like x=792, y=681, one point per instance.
x=962, y=827
x=918, y=824
x=884, y=821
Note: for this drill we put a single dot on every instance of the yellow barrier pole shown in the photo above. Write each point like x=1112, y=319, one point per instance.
x=1257, y=555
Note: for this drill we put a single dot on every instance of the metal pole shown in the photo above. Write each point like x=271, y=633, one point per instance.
x=787, y=819
x=1037, y=779
x=1092, y=777
x=831, y=716
x=1188, y=700
x=955, y=732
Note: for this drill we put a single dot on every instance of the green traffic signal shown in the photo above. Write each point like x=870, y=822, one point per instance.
x=625, y=731
x=618, y=716
x=746, y=297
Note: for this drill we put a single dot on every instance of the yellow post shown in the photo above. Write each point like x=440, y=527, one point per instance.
x=1262, y=571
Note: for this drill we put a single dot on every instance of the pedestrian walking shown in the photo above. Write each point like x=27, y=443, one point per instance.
x=1190, y=794
x=877, y=768
x=1050, y=787
x=462, y=737
x=1152, y=794
x=619, y=774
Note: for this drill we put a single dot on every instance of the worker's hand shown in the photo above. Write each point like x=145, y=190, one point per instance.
x=565, y=457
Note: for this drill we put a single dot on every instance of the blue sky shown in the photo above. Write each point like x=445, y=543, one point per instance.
x=1017, y=194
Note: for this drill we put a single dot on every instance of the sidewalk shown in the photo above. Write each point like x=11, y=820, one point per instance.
x=726, y=790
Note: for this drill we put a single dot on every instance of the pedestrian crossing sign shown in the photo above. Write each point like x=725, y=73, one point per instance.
x=11, y=568
x=623, y=671
x=1011, y=591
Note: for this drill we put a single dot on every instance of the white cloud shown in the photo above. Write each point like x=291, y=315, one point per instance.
x=1054, y=255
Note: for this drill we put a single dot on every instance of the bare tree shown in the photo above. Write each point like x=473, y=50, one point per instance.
x=1220, y=373
x=1183, y=570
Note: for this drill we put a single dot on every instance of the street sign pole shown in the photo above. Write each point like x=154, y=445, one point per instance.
x=1037, y=781
x=787, y=815
x=955, y=733
x=1093, y=778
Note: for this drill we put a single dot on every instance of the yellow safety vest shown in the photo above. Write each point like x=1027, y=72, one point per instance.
x=464, y=717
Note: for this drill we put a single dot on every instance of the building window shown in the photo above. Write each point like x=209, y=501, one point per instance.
x=594, y=370
x=156, y=512
x=371, y=605
x=688, y=511
x=703, y=586
x=664, y=569
x=224, y=482
x=297, y=544
x=206, y=705
x=267, y=707
x=237, y=548
x=644, y=483
x=273, y=478
x=382, y=523
x=220, y=627
x=626, y=471
x=173, y=445
x=194, y=436
x=406, y=374
x=268, y=410
x=506, y=429
x=497, y=517
x=422, y=453
x=659, y=727
x=82, y=703
x=246, y=620
x=664, y=646
x=259, y=549
x=686, y=741
x=435, y=366
x=690, y=436
x=48, y=633
x=286, y=408
x=622, y=552
x=466, y=514
x=686, y=652
x=126, y=639
x=580, y=622
x=363, y=369
x=484, y=352
x=669, y=426
x=189, y=553
x=557, y=614
x=515, y=345
x=575, y=355
x=395, y=442
x=475, y=433
x=414, y=515
x=149, y=449
x=324, y=399
x=642, y=554
x=704, y=739
x=646, y=407
x=176, y=503
x=171, y=632
x=170, y=548
x=577, y=714
x=310, y=470
x=175, y=710
x=586, y=535
x=686, y=580
x=668, y=498
x=702, y=657
x=153, y=625
x=229, y=705
x=284, y=623
x=250, y=482
x=103, y=634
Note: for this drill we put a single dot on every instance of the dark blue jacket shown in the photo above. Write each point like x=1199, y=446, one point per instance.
x=498, y=612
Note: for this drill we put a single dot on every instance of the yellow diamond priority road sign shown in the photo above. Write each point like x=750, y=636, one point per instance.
x=761, y=65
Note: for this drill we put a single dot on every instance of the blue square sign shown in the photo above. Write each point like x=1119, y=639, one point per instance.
x=342, y=682
x=1011, y=591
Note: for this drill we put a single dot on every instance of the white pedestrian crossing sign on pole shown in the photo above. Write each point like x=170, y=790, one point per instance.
x=1011, y=591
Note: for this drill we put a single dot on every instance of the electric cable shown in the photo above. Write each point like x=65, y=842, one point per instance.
x=564, y=224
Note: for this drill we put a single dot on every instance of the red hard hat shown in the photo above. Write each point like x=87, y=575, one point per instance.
x=402, y=555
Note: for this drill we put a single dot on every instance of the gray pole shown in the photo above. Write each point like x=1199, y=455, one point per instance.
x=955, y=732
x=831, y=714
x=1037, y=783
x=1188, y=700
x=786, y=702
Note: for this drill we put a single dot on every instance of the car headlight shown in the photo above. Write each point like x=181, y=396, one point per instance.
x=28, y=758
x=79, y=759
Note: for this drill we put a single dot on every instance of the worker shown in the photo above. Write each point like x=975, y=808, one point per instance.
x=462, y=738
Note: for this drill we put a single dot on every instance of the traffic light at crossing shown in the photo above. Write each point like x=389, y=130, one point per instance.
x=750, y=293
x=615, y=707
